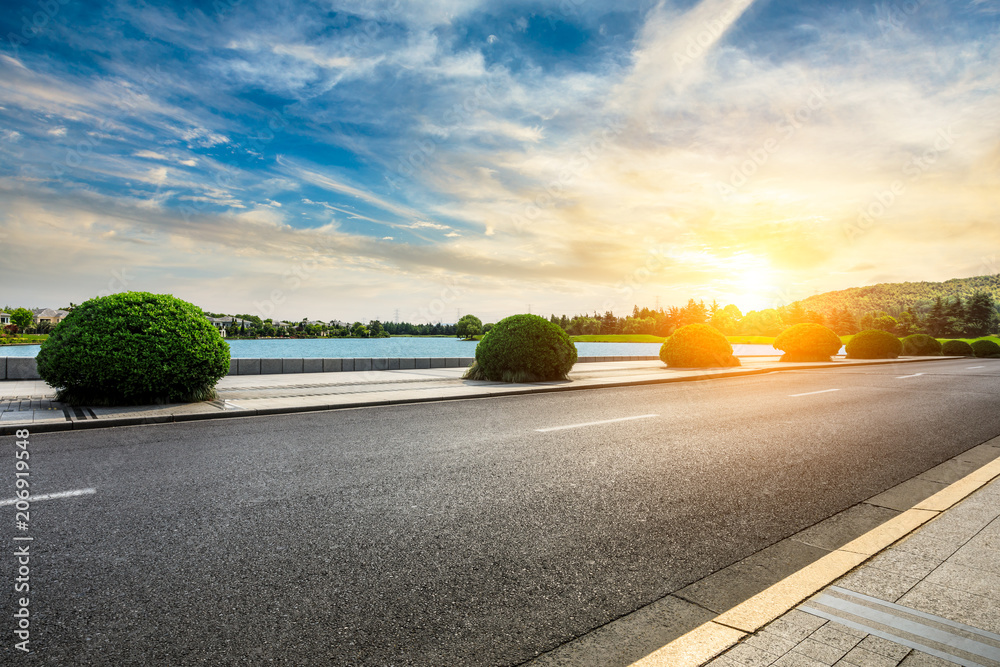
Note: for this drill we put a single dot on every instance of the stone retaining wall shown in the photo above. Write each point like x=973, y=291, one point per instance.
x=24, y=368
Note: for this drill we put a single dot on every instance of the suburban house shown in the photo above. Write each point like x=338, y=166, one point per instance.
x=53, y=317
x=227, y=322
x=4, y=319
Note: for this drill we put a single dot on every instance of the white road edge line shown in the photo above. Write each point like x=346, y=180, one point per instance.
x=50, y=496
x=605, y=421
x=915, y=375
x=811, y=393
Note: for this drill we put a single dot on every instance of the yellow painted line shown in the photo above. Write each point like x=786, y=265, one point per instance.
x=693, y=649
x=963, y=488
x=775, y=601
x=729, y=628
x=890, y=532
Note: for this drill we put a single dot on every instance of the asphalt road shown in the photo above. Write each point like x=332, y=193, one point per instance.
x=452, y=533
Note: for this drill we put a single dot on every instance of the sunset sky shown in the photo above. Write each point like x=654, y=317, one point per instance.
x=354, y=159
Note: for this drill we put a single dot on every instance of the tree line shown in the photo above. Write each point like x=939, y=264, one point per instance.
x=973, y=317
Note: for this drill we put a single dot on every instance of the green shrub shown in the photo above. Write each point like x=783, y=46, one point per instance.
x=807, y=342
x=523, y=348
x=921, y=345
x=697, y=346
x=956, y=348
x=134, y=348
x=984, y=348
x=874, y=344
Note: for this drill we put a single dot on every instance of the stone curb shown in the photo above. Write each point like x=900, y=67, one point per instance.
x=111, y=421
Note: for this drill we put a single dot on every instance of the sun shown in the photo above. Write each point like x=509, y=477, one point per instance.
x=755, y=287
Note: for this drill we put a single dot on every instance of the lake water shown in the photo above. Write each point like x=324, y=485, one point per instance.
x=398, y=347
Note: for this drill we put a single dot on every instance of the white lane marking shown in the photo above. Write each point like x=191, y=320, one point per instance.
x=605, y=421
x=810, y=393
x=51, y=496
x=972, y=368
x=915, y=375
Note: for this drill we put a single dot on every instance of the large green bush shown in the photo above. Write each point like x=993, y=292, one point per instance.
x=697, y=346
x=956, y=348
x=523, y=348
x=134, y=348
x=984, y=348
x=874, y=344
x=807, y=342
x=921, y=345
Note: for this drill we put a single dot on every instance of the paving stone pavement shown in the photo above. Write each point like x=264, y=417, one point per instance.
x=931, y=600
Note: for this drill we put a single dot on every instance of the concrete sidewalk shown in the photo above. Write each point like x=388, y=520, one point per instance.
x=919, y=590
x=930, y=600
x=30, y=402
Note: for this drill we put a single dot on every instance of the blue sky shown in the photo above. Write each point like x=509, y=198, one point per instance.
x=351, y=159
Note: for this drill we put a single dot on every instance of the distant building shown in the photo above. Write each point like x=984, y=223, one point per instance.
x=53, y=317
x=4, y=319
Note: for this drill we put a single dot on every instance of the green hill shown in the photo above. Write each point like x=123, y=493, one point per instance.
x=896, y=297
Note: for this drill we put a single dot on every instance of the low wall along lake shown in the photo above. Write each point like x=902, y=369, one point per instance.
x=403, y=347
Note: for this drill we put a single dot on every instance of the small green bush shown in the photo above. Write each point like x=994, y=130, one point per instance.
x=874, y=344
x=134, y=348
x=921, y=345
x=807, y=342
x=984, y=348
x=956, y=348
x=523, y=348
x=697, y=346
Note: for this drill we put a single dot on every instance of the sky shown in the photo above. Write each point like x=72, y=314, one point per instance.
x=421, y=160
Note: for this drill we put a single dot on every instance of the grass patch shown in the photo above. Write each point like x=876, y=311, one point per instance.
x=618, y=338
x=995, y=339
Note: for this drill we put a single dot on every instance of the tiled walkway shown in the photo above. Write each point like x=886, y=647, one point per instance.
x=932, y=600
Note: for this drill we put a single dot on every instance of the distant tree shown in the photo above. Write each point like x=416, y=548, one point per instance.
x=469, y=326
x=908, y=323
x=359, y=330
x=937, y=319
x=22, y=317
x=694, y=313
x=980, y=315
x=375, y=329
x=844, y=322
x=762, y=323
x=955, y=318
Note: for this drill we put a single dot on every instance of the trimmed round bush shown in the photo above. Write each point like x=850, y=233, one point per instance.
x=984, y=348
x=697, y=346
x=921, y=345
x=523, y=348
x=807, y=342
x=956, y=348
x=874, y=344
x=134, y=348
